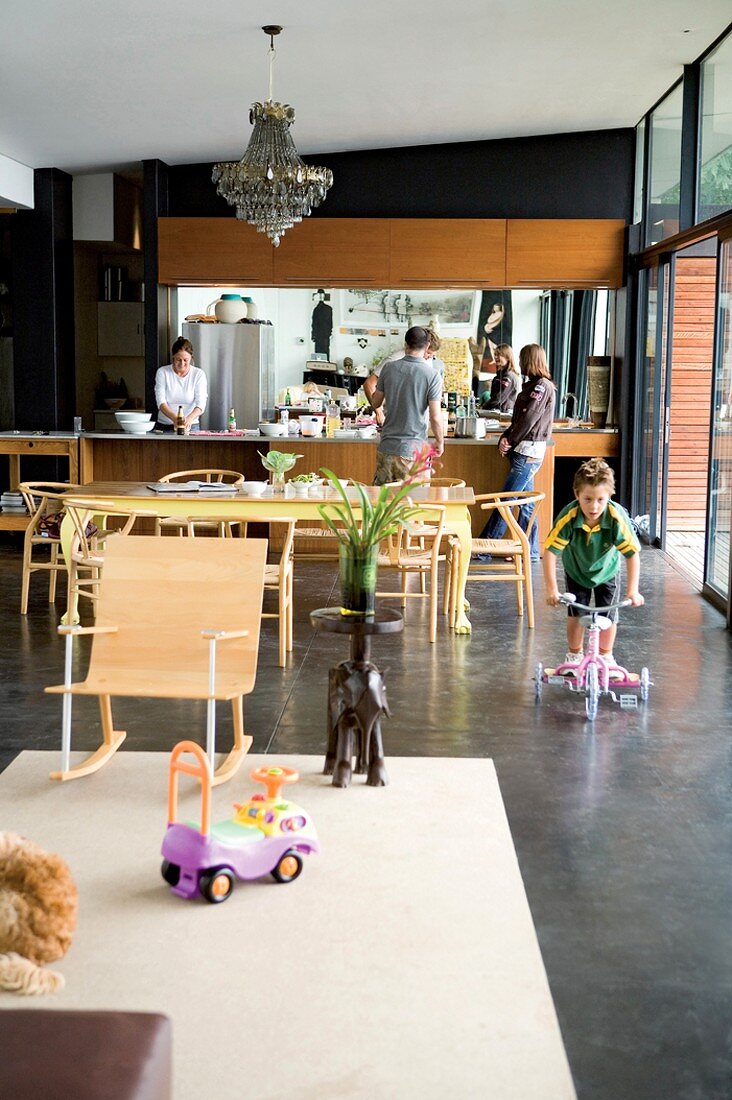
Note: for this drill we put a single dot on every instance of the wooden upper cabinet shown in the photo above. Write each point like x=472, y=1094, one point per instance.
x=334, y=252
x=213, y=250
x=441, y=252
x=566, y=253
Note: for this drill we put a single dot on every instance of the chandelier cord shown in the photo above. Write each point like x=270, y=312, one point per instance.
x=272, y=53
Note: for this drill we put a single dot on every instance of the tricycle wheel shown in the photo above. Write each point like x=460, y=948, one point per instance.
x=289, y=867
x=645, y=684
x=216, y=885
x=538, y=681
x=170, y=872
x=593, y=693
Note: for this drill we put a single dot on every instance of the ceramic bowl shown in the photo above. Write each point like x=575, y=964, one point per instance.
x=137, y=427
x=273, y=431
x=114, y=402
x=253, y=488
x=122, y=415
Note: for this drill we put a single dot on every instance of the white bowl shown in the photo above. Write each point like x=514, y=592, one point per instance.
x=302, y=488
x=367, y=433
x=253, y=488
x=273, y=431
x=137, y=427
x=345, y=433
x=131, y=414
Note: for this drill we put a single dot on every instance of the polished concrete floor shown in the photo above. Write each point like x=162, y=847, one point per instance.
x=622, y=828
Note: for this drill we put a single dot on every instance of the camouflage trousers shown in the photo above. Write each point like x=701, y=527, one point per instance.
x=391, y=468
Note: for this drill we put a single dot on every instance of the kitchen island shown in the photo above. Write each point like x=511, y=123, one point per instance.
x=141, y=458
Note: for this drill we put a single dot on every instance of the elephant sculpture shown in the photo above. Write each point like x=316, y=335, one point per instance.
x=356, y=702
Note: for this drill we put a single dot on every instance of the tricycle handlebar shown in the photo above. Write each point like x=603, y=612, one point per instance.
x=570, y=598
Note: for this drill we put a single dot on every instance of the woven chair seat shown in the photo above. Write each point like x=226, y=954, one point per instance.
x=407, y=561
x=500, y=547
x=314, y=533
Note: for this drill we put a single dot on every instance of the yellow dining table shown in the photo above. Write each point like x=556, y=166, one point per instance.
x=270, y=505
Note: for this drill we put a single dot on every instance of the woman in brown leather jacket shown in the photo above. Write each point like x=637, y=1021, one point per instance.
x=524, y=440
x=506, y=384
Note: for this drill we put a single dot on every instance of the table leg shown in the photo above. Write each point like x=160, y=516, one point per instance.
x=464, y=531
x=71, y=617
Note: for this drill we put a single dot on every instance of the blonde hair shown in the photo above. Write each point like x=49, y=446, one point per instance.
x=507, y=352
x=435, y=343
x=532, y=360
x=594, y=472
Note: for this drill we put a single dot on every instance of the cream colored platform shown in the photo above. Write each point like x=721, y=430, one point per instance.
x=403, y=963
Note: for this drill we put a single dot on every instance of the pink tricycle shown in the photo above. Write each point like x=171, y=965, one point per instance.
x=594, y=675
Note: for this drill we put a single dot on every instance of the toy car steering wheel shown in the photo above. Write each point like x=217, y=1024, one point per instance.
x=274, y=778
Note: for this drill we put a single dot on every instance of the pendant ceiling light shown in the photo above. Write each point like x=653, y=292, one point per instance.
x=270, y=186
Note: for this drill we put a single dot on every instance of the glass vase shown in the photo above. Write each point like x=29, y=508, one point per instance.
x=358, y=580
x=278, y=481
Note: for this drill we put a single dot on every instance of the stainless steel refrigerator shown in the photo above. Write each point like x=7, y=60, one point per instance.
x=238, y=361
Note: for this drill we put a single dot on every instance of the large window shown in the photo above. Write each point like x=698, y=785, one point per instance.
x=663, y=213
x=720, y=501
x=715, y=170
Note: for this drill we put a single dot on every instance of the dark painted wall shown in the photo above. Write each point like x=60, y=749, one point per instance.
x=43, y=307
x=584, y=175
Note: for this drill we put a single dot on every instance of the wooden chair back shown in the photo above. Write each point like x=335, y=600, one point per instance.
x=161, y=594
x=231, y=477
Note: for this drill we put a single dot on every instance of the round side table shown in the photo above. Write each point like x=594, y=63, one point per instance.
x=356, y=697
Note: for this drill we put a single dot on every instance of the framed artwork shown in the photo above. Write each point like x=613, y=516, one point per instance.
x=404, y=308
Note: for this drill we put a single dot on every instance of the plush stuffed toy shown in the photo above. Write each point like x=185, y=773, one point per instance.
x=38, y=903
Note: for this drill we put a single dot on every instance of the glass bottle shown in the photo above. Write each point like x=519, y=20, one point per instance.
x=180, y=422
x=232, y=420
x=285, y=417
x=288, y=398
x=451, y=406
x=332, y=419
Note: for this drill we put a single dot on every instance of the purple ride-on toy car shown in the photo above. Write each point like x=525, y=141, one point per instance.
x=266, y=835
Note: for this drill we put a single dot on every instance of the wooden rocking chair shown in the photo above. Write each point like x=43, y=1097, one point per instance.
x=176, y=619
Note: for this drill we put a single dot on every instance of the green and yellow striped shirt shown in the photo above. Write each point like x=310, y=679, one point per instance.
x=591, y=555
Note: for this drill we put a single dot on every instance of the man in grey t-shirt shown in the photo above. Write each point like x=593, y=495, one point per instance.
x=411, y=389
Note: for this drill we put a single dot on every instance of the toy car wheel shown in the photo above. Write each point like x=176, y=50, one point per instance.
x=170, y=872
x=288, y=868
x=645, y=684
x=593, y=693
x=538, y=681
x=216, y=885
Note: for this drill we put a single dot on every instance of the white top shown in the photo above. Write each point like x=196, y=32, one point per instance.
x=531, y=450
x=172, y=390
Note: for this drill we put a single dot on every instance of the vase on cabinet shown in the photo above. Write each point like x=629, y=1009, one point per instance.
x=229, y=308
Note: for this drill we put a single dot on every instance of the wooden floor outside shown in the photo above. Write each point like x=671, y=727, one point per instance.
x=686, y=551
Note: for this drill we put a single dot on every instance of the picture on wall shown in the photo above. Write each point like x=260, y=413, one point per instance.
x=404, y=308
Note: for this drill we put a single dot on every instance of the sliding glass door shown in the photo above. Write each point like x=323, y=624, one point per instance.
x=653, y=399
x=720, y=474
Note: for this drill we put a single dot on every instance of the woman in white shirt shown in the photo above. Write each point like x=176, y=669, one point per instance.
x=180, y=384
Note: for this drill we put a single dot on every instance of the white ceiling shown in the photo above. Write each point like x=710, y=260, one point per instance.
x=88, y=85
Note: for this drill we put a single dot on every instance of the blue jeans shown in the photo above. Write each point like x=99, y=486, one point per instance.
x=520, y=478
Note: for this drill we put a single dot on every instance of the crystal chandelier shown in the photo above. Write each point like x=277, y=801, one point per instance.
x=270, y=186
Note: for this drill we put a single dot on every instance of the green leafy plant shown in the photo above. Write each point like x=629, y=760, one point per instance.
x=278, y=462
x=373, y=521
x=309, y=478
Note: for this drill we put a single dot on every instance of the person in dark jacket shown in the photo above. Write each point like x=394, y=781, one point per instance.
x=524, y=440
x=506, y=384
